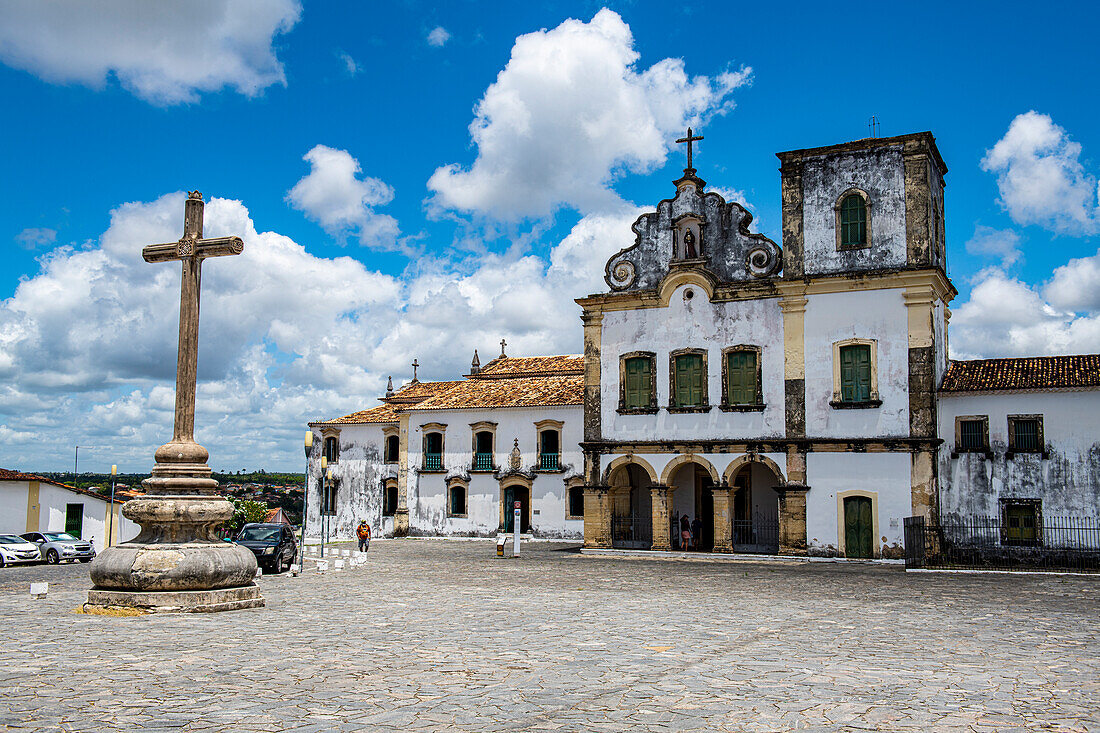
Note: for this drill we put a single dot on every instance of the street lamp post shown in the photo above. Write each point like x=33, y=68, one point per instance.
x=305, y=505
x=111, y=507
x=324, y=469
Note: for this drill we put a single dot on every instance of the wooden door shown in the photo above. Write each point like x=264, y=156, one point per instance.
x=509, y=499
x=858, y=527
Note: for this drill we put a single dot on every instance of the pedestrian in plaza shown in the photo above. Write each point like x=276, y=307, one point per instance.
x=685, y=533
x=696, y=532
x=363, y=533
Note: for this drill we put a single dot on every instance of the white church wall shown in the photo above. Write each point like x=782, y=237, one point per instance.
x=358, y=473
x=694, y=323
x=885, y=477
x=1068, y=482
x=872, y=314
x=53, y=503
x=428, y=493
x=881, y=175
x=13, y=507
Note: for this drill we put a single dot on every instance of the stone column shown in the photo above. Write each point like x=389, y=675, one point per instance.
x=723, y=529
x=597, y=516
x=659, y=496
x=792, y=519
x=401, y=513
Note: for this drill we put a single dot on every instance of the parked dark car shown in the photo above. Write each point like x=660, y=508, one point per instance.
x=58, y=546
x=273, y=544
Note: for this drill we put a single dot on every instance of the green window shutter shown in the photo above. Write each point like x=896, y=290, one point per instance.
x=637, y=388
x=690, y=380
x=855, y=373
x=741, y=378
x=853, y=221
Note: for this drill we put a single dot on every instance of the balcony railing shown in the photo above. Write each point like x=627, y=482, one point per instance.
x=433, y=461
x=483, y=462
x=549, y=461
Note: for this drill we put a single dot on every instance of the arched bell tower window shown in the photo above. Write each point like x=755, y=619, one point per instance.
x=853, y=220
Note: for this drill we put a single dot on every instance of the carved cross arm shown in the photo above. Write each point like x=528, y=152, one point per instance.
x=202, y=248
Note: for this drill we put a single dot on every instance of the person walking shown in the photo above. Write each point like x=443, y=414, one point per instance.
x=363, y=533
x=685, y=532
x=696, y=532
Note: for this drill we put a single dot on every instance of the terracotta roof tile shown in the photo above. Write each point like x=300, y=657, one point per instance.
x=1035, y=372
x=9, y=475
x=416, y=391
x=532, y=366
x=516, y=392
x=382, y=413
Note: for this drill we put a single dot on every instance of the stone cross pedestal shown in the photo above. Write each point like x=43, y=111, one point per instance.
x=178, y=563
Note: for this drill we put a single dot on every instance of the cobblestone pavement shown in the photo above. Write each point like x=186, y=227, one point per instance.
x=434, y=635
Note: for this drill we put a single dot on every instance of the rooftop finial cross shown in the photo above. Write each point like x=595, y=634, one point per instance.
x=415, y=365
x=503, y=343
x=689, y=140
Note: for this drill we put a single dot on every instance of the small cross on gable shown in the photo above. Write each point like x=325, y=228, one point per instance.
x=503, y=343
x=689, y=140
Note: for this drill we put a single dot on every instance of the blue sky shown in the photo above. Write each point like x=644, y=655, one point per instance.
x=336, y=138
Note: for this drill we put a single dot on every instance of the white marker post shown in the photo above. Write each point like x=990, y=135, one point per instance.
x=515, y=530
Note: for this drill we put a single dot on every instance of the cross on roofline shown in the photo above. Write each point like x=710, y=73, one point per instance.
x=503, y=343
x=415, y=365
x=689, y=140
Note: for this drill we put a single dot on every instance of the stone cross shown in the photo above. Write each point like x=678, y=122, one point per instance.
x=689, y=140
x=503, y=343
x=415, y=365
x=191, y=249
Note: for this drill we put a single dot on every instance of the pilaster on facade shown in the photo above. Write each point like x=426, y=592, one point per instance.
x=597, y=517
x=792, y=519
x=593, y=354
x=401, y=513
x=661, y=514
x=723, y=526
x=793, y=307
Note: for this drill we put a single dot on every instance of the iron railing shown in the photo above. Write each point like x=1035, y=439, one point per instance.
x=549, y=461
x=483, y=461
x=759, y=534
x=433, y=461
x=983, y=542
x=633, y=533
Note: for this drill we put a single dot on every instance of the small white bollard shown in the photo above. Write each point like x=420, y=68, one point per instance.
x=322, y=566
x=338, y=564
x=515, y=529
x=39, y=590
x=259, y=571
x=347, y=553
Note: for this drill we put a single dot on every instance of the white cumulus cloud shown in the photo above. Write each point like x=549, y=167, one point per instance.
x=163, y=52
x=1041, y=178
x=568, y=114
x=88, y=345
x=1008, y=317
x=1002, y=244
x=438, y=36
x=333, y=195
x=35, y=237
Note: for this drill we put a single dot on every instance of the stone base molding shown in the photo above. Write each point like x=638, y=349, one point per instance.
x=792, y=519
x=597, y=516
x=723, y=529
x=659, y=496
x=125, y=603
x=401, y=522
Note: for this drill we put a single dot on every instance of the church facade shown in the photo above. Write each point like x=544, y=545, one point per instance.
x=735, y=395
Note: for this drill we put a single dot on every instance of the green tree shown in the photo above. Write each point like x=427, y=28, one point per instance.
x=245, y=511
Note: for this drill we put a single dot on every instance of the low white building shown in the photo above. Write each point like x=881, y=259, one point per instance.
x=30, y=503
x=453, y=458
x=1021, y=441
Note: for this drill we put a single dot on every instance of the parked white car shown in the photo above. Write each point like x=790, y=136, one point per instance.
x=57, y=546
x=14, y=549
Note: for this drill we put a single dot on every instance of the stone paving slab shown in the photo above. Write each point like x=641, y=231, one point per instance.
x=432, y=635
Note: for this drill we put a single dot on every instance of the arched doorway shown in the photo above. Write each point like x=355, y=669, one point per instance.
x=754, y=507
x=508, y=496
x=631, y=507
x=691, y=505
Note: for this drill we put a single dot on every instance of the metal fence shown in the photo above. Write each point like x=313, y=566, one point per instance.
x=759, y=534
x=983, y=542
x=632, y=533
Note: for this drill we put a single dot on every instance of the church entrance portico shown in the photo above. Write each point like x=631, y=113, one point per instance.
x=754, y=509
x=691, y=505
x=631, y=508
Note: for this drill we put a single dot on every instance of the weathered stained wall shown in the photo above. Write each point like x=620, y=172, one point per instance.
x=878, y=172
x=358, y=474
x=871, y=314
x=1068, y=483
x=549, y=491
x=694, y=323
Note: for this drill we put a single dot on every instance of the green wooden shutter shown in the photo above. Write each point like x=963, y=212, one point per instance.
x=741, y=378
x=74, y=519
x=637, y=389
x=853, y=221
x=855, y=373
x=690, y=380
